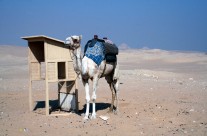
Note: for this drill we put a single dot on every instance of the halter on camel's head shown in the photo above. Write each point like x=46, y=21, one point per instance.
x=73, y=42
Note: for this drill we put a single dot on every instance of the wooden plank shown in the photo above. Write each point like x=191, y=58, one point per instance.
x=52, y=71
x=57, y=51
x=46, y=83
x=71, y=73
x=35, y=71
x=60, y=114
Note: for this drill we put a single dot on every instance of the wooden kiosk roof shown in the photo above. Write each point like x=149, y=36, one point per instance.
x=41, y=37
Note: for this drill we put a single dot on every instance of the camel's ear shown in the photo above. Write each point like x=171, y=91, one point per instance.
x=72, y=38
x=80, y=37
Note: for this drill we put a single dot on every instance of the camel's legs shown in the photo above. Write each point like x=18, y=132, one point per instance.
x=113, y=97
x=116, y=88
x=95, y=84
x=111, y=85
x=86, y=85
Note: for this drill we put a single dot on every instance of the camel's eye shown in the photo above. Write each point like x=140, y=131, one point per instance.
x=75, y=41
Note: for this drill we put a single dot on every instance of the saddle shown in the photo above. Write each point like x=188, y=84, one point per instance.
x=111, y=50
x=98, y=50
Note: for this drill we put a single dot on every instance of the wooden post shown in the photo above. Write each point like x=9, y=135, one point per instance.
x=46, y=82
x=30, y=81
x=47, y=98
x=76, y=95
x=30, y=96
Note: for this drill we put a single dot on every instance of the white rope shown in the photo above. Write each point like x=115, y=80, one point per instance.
x=75, y=56
x=68, y=85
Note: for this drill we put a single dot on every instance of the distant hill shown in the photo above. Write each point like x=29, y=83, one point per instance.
x=123, y=46
x=19, y=51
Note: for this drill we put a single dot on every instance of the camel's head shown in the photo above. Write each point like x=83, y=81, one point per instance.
x=73, y=41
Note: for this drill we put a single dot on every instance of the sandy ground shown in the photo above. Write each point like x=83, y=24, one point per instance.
x=161, y=93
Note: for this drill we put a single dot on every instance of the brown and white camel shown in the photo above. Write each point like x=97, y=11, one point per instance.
x=88, y=69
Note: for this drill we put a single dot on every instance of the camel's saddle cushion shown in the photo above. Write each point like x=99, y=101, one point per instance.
x=111, y=49
x=98, y=50
x=95, y=50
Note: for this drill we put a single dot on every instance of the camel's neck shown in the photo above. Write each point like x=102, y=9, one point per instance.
x=77, y=60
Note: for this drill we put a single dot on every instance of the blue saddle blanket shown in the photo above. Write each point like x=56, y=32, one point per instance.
x=96, y=52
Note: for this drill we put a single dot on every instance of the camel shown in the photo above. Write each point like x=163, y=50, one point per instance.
x=88, y=69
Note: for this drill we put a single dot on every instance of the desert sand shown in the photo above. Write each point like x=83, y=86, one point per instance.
x=161, y=93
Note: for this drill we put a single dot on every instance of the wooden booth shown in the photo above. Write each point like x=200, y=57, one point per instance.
x=58, y=67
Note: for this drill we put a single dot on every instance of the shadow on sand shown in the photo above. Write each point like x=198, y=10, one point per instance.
x=41, y=104
x=99, y=106
x=55, y=105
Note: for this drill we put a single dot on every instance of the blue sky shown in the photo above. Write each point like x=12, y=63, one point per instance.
x=163, y=24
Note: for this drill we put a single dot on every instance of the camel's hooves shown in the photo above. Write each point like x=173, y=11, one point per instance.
x=93, y=116
x=85, y=118
x=110, y=111
x=116, y=112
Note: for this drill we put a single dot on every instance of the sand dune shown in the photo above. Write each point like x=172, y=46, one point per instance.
x=161, y=93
